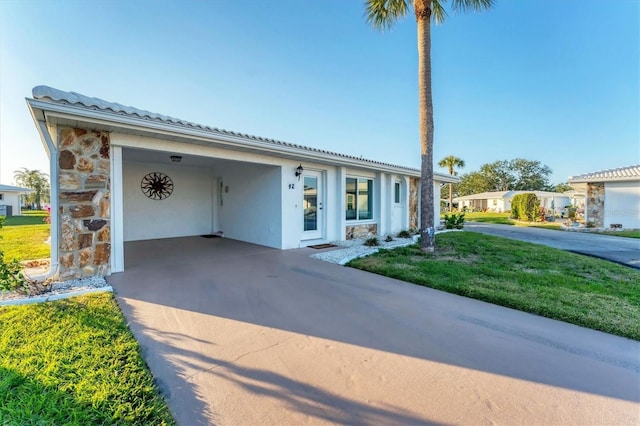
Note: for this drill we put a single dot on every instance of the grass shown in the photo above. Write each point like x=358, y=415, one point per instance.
x=74, y=362
x=489, y=217
x=553, y=283
x=630, y=233
x=24, y=237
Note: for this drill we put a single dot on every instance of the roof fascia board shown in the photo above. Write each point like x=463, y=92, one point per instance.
x=604, y=180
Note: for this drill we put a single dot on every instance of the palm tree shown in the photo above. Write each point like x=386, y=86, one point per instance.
x=382, y=14
x=33, y=179
x=451, y=162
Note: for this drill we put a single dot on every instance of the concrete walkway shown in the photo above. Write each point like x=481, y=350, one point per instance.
x=621, y=250
x=242, y=334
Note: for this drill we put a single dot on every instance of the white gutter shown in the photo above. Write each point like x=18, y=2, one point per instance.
x=300, y=153
x=54, y=218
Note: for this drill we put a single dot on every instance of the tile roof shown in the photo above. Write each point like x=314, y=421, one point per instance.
x=618, y=174
x=96, y=104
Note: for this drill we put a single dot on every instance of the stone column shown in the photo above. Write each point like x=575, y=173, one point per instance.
x=595, y=204
x=84, y=194
x=414, y=194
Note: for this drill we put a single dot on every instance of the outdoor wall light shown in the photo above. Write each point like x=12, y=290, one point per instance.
x=299, y=171
x=176, y=158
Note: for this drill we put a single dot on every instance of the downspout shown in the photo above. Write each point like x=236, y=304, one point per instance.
x=54, y=214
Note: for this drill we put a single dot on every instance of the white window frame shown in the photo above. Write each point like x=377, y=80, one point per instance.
x=354, y=199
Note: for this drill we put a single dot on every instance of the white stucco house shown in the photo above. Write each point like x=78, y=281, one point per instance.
x=10, y=203
x=611, y=197
x=122, y=174
x=500, y=201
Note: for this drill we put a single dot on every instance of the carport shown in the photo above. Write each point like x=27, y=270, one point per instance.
x=205, y=196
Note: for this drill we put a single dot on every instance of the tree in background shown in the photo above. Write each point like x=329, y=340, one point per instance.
x=451, y=162
x=506, y=175
x=383, y=14
x=36, y=180
x=562, y=187
x=472, y=183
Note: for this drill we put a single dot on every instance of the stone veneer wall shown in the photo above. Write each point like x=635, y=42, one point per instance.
x=595, y=204
x=84, y=193
x=361, y=231
x=414, y=186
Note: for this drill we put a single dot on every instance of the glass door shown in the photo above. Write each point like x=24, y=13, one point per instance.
x=312, y=205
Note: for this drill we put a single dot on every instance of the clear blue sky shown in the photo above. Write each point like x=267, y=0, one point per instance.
x=554, y=81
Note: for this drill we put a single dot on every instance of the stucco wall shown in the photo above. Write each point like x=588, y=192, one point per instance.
x=251, y=208
x=622, y=204
x=187, y=211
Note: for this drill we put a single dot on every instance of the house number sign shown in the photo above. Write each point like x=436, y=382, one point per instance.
x=157, y=186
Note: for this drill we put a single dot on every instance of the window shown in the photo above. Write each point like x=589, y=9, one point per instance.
x=359, y=199
x=1, y=196
x=396, y=189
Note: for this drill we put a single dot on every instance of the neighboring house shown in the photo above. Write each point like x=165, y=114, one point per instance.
x=500, y=201
x=123, y=174
x=10, y=203
x=612, y=197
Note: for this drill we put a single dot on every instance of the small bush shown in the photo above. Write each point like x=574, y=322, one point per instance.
x=525, y=207
x=11, y=277
x=454, y=221
x=373, y=241
x=389, y=238
x=404, y=234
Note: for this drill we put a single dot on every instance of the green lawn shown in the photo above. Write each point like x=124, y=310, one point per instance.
x=553, y=283
x=24, y=237
x=626, y=233
x=489, y=217
x=74, y=362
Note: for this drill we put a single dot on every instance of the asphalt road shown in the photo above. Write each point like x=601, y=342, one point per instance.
x=625, y=251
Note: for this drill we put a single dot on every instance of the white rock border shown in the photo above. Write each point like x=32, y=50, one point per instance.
x=59, y=291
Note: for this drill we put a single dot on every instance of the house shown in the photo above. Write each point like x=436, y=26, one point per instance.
x=612, y=197
x=10, y=203
x=121, y=174
x=500, y=201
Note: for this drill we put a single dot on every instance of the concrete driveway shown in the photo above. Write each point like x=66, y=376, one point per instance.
x=242, y=334
x=621, y=250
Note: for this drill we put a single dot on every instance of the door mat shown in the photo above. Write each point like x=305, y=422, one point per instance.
x=321, y=246
x=210, y=236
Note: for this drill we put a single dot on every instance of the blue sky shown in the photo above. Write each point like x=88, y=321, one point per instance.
x=553, y=81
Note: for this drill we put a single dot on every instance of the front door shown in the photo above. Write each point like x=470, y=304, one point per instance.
x=312, y=206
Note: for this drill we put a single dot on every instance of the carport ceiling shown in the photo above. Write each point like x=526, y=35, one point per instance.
x=162, y=157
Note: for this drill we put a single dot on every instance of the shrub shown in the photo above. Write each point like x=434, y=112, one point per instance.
x=373, y=241
x=404, y=234
x=389, y=238
x=11, y=277
x=525, y=207
x=454, y=221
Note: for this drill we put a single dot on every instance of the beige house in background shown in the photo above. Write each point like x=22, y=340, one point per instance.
x=612, y=197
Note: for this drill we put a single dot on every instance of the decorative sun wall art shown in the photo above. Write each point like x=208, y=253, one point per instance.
x=157, y=186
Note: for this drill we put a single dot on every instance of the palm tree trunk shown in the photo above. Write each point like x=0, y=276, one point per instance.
x=450, y=197
x=427, y=230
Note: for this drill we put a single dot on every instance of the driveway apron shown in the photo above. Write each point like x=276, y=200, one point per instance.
x=236, y=333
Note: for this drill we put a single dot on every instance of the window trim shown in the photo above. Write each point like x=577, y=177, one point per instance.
x=352, y=198
x=397, y=192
